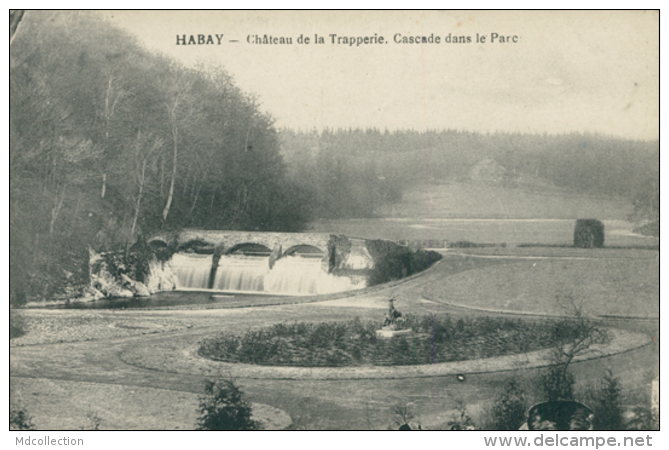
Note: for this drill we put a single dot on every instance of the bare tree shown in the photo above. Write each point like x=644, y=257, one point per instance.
x=404, y=413
x=69, y=158
x=113, y=93
x=581, y=335
x=573, y=337
x=180, y=114
x=143, y=160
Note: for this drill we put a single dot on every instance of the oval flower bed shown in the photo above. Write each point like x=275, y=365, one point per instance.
x=355, y=343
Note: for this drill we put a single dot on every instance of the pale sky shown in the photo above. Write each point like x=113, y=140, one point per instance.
x=569, y=71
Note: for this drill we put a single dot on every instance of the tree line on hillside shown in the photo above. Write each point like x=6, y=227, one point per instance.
x=352, y=171
x=109, y=142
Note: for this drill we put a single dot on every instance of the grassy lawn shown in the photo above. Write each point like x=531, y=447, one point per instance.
x=61, y=326
x=75, y=405
x=560, y=252
x=129, y=368
x=617, y=287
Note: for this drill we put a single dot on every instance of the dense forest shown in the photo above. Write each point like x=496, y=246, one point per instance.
x=109, y=143
x=352, y=171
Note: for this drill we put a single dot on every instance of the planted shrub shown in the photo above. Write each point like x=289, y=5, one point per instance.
x=354, y=343
x=404, y=414
x=461, y=421
x=608, y=404
x=571, y=337
x=19, y=419
x=509, y=408
x=223, y=407
x=589, y=233
x=643, y=418
x=557, y=383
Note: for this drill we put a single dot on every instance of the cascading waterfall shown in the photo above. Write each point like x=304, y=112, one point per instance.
x=291, y=275
x=301, y=276
x=241, y=273
x=192, y=270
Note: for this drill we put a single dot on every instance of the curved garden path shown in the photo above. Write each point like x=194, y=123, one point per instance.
x=91, y=359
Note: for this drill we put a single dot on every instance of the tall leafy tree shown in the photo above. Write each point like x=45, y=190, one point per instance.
x=109, y=142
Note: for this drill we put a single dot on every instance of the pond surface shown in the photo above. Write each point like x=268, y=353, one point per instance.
x=495, y=231
x=176, y=298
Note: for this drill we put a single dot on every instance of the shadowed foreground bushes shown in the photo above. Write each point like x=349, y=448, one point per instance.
x=508, y=410
x=223, y=407
x=19, y=419
x=355, y=343
x=614, y=407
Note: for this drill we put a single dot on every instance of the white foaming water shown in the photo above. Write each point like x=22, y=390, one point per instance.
x=305, y=276
x=241, y=273
x=192, y=270
x=291, y=275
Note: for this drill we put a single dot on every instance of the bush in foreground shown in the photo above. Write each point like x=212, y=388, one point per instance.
x=223, y=407
x=557, y=383
x=19, y=419
x=607, y=404
x=462, y=420
x=355, y=343
x=508, y=411
x=644, y=418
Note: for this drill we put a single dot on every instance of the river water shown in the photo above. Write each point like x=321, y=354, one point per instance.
x=250, y=279
x=511, y=232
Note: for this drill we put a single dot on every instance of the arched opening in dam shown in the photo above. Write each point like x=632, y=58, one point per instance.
x=305, y=251
x=249, y=249
x=249, y=267
x=202, y=266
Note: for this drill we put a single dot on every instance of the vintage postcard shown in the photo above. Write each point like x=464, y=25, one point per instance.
x=334, y=220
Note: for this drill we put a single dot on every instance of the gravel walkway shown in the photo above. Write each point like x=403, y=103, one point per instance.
x=188, y=361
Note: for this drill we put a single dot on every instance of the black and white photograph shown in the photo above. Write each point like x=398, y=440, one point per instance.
x=335, y=220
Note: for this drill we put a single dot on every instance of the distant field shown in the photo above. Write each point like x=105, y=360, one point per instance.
x=490, y=214
x=486, y=201
x=497, y=231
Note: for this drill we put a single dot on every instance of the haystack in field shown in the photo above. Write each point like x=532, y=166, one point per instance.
x=589, y=233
